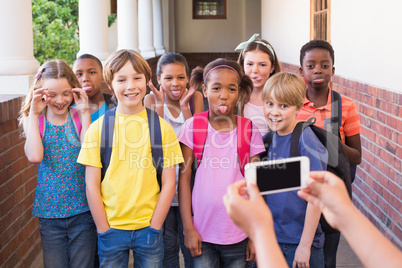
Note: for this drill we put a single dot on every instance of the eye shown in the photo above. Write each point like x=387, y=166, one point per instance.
x=92, y=72
x=325, y=66
x=182, y=77
x=233, y=89
x=263, y=64
x=78, y=74
x=168, y=78
x=120, y=80
x=66, y=94
x=309, y=66
x=249, y=64
x=269, y=104
x=52, y=95
x=215, y=88
x=284, y=106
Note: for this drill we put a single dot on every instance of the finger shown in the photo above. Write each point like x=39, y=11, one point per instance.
x=310, y=198
x=253, y=190
x=151, y=86
x=294, y=264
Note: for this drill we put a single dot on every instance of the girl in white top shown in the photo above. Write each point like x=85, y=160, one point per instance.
x=174, y=103
x=259, y=61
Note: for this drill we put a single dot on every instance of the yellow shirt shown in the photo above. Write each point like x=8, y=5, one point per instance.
x=130, y=189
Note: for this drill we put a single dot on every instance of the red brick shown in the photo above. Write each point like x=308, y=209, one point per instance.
x=6, y=173
x=384, y=155
x=16, y=138
x=392, y=122
x=8, y=126
x=5, y=142
x=4, y=112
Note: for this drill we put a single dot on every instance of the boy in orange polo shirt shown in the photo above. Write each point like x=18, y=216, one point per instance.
x=317, y=68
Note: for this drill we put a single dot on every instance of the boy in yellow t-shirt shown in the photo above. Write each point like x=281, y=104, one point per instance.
x=128, y=206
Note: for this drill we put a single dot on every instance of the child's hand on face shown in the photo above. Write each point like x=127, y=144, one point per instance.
x=159, y=94
x=39, y=100
x=185, y=98
x=80, y=99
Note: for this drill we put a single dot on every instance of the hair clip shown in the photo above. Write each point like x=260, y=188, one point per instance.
x=40, y=72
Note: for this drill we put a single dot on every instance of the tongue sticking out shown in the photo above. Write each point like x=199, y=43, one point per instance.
x=223, y=109
x=176, y=93
x=87, y=89
x=318, y=80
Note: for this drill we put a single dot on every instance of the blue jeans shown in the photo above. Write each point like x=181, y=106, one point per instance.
x=330, y=248
x=68, y=242
x=215, y=256
x=147, y=245
x=316, y=255
x=172, y=238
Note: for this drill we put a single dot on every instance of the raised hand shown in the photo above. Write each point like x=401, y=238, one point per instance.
x=39, y=101
x=159, y=94
x=80, y=99
x=185, y=98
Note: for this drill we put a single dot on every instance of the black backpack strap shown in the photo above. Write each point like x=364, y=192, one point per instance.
x=156, y=143
x=192, y=106
x=336, y=113
x=267, y=139
x=297, y=131
x=109, y=101
x=107, y=140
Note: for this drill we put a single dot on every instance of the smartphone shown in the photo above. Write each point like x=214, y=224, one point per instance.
x=277, y=176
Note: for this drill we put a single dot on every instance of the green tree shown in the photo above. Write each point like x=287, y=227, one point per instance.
x=55, y=26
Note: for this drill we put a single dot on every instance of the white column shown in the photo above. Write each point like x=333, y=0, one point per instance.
x=158, y=27
x=127, y=25
x=93, y=28
x=145, y=29
x=17, y=62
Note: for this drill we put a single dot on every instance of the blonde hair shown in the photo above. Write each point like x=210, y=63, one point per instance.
x=118, y=59
x=287, y=88
x=54, y=69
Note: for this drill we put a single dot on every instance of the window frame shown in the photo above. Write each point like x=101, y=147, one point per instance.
x=313, y=12
x=197, y=17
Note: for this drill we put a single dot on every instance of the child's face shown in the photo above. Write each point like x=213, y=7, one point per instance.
x=222, y=91
x=174, y=80
x=258, y=67
x=89, y=75
x=317, y=68
x=129, y=87
x=280, y=117
x=60, y=95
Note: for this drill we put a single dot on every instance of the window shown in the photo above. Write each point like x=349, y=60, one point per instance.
x=209, y=9
x=113, y=6
x=320, y=19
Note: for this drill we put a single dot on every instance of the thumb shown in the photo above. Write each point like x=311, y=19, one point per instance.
x=253, y=190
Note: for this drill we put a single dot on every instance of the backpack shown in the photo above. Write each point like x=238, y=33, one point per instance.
x=154, y=134
x=336, y=123
x=200, y=131
x=74, y=115
x=338, y=162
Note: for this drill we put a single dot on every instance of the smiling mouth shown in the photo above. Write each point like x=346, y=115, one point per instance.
x=59, y=107
x=275, y=121
x=132, y=95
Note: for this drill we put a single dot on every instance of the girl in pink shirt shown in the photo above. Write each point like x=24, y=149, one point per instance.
x=210, y=235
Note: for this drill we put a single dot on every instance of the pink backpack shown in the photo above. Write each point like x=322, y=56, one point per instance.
x=76, y=122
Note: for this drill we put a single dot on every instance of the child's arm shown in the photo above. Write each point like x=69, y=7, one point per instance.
x=81, y=102
x=302, y=254
x=192, y=239
x=93, y=189
x=328, y=192
x=156, y=100
x=33, y=144
x=198, y=102
x=165, y=197
x=353, y=149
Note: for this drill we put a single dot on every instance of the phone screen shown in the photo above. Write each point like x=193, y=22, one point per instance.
x=278, y=176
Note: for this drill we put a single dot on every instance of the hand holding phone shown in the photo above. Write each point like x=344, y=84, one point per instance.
x=281, y=175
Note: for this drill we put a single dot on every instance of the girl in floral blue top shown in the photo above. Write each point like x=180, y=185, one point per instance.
x=53, y=131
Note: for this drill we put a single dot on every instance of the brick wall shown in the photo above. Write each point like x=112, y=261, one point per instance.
x=19, y=235
x=378, y=184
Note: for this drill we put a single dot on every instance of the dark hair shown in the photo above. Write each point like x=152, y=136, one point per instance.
x=199, y=77
x=92, y=57
x=320, y=44
x=170, y=58
x=257, y=46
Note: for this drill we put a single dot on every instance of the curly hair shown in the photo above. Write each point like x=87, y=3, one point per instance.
x=320, y=44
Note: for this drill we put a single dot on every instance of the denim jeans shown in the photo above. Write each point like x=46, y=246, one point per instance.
x=172, y=238
x=215, y=256
x=330, y=248
x=68, y=242
x=147, y=245
x=316, y=255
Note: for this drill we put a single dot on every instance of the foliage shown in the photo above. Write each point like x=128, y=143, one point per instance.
x=55, y=27
x=111, y=19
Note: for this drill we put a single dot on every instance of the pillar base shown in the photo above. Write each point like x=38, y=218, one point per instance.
x=15, y=84
x=160, y=51
x=148, y=54
x=18, y=66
